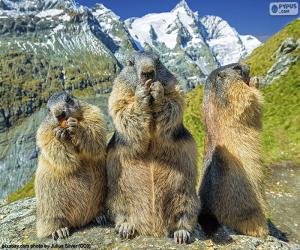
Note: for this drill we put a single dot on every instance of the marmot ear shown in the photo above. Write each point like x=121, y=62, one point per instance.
x=130, y=62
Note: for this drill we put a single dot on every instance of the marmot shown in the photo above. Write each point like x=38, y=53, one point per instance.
x=231, y=190
x=151, y=159
x=70, y=180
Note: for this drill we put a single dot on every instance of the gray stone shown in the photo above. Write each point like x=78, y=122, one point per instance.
x=284, y=60
x=17, y=226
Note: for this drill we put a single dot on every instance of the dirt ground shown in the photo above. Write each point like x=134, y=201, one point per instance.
x=283, y=195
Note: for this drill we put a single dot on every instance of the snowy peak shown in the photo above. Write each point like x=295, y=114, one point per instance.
x=167, y=26
x=182, y=6
x=185, y=14
x=216, y=27
x=250, y=43
x=225, y=42
x=100, y=11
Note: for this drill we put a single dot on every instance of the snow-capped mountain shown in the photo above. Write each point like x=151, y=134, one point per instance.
x=51, y=27
x=205, y=42
x=225, y=42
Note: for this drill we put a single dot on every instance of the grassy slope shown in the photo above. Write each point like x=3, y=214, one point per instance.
x=281, y=132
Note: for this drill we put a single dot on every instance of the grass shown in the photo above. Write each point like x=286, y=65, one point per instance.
x=193, y=119
x=24, y=192
x=281, y=121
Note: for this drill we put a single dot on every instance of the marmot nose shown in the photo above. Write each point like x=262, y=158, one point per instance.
x=148, y=75
x=60, y=115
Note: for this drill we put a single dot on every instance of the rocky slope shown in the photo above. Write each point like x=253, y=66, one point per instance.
x=17, y=227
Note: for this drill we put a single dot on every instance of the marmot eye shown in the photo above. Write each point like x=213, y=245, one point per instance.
x=222, y=74
x=69, y=100
x=237, y=67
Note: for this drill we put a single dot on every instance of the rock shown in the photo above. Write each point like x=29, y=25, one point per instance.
x=17, y=227
x=18, y=153
x=286, y=47
x=284, y=60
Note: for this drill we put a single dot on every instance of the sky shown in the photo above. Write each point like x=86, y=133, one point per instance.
x=246, y=16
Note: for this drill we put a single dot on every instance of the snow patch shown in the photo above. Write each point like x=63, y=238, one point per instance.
x=65, y=17
x=50, y=12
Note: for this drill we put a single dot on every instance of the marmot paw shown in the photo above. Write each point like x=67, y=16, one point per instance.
x=157, y=91
x=61, y=233
x=72, y=124
x=61, y=134
x=142, y=94
x=182, y=236
x=126, y=230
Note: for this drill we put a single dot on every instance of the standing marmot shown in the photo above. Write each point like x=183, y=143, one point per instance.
x=70, y=181
x=231, y=187
x=151, y=160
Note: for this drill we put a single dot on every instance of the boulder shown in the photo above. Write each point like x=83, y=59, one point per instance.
x=17, y=229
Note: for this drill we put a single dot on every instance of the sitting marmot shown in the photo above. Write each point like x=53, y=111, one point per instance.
x=151, y=162
x=70, y=180
x=231, y=188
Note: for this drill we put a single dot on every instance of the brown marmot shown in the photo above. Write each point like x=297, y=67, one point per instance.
x=70, y=180
x=231, y=190
x=151, y=160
